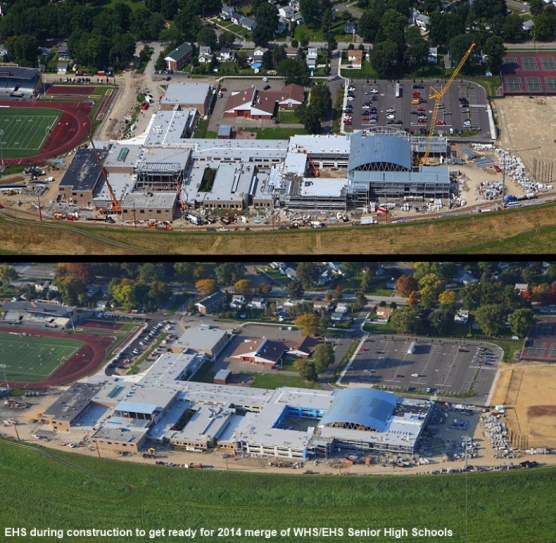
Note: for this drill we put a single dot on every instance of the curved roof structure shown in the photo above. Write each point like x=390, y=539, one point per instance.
x=361, y=408
x=379, y=152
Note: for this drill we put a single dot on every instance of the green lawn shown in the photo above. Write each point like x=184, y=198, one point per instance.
x=277, y=133
x=34, y=358
x=287, y=116
x=61, y=491
x=25, y=130
x=278, y=379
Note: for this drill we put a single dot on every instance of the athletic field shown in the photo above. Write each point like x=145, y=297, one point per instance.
x=25, y=130
x=34, y=358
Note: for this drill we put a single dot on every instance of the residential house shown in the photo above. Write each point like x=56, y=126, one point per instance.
x=342, y=308
x=303, y=348
x=528, y=25
x=63, y=52
x=312, y=56
x=205, y=54
x=178, y=58
x=238, y=301
x=227, y=12
x=291, y=96
x=384, y=313
x=325, y=277
x=466, y=278
x=291, y=274
x=62, y=67
x=297, y=19
x=258, y=53
x=521, y=287
x=433, y=55
x=355, y=58
x=287, y=12
x=257, y=303
x=226, y=55
x=237, y=17
x=422, y=21
x=294, y=4
x=291, y=52
x=350, y=27
x=211, y=303
x=248, y=23
x=337, y=317
x=322, y=305
x=462, y=316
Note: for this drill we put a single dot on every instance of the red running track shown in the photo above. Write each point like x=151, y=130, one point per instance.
x=72, y=128
x=85, y=361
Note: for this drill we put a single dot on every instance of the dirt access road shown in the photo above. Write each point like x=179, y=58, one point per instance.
x=130, y=85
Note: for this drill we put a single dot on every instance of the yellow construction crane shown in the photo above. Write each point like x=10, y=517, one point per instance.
x=438, y=95
x=116, y=208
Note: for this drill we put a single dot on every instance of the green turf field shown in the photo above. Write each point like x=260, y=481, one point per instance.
x=68, y=491
x=32, y=358
x=25, y=130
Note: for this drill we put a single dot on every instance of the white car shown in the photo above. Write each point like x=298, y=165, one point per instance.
x=390, y=117
x=391, y=110
x=374, y=91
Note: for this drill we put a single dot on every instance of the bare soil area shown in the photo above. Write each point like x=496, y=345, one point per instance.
x=529, y=396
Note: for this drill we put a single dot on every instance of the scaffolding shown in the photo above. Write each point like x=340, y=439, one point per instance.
x=159, y=176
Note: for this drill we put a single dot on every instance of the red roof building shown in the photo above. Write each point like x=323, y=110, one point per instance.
x=254, y=104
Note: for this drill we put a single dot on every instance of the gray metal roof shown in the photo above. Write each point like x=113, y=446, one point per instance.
x=437, y=175
x=379, y=148
x=366, y=407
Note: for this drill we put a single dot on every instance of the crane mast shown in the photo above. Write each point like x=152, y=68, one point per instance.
x=116, y=208
x=438, y=95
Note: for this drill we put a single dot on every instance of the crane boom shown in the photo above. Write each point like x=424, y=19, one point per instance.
x=116, y=208
x=438, y=95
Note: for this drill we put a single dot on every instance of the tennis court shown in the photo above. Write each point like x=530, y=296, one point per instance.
x=25, y=130
x=33, y=358
x=541, y=342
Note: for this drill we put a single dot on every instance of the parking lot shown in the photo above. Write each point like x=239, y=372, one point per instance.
x=434, y=366
x=411, y=110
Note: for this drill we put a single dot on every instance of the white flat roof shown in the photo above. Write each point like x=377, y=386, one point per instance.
x=186, y=93
x=320, y=144
x=201, y=338
x=323, y=186
x=151, y=200
x=168, y=129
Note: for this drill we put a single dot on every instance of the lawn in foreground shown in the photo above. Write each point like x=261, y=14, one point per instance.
x=86, y=492
x=34, y=358
x=26, y=130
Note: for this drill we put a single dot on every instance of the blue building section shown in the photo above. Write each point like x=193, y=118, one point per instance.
x=299, y=411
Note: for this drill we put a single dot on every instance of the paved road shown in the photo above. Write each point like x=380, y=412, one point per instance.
x=518, y=5
x=351, y=10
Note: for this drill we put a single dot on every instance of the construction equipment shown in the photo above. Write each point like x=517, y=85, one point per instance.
x=180, y=201
x=438, y=95
x=116, y=208
x=316, y=172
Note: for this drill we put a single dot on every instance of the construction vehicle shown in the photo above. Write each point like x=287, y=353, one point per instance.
x=116, y=208
x=151, y=453
x=316, y=172
x=438, y=95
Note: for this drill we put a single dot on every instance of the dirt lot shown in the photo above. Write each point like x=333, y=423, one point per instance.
x=527, y=127
x=528, y=392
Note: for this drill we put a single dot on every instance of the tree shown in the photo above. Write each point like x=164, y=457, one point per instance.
x=168, y=8
x=406, y=320
x=310, y=117
x=491, y=318
x=307, y=323
x=7, y=274
x=321, y=99
x=495, y=50
x=294, y=71
x=306, y=370
x=406, y=284
x=308, y=273
x=244, y=286
x=266, y=17
x=543, y=29
x=458, y=46
x=441, y=319
x=447, y=297
x=368, y=26
x=159, y=293
x=226, y=39
x=205, y=287
x=430, y=287
x=512, y=29
x=295, y=289
x=310, y=10
x=82, y=270
x=383, y=58
x=323, y=356
x=71, y=289
x=25, y=49
x=417, y=51
x=521, y=321
x=352, y=268
x=392, y=25
x=536, y=7
x=122, y=50
x=228, y=273
x=152, y=271
x=207, y=36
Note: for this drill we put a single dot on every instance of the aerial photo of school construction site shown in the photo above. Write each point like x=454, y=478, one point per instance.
x=368, y=399
x=309, y=127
